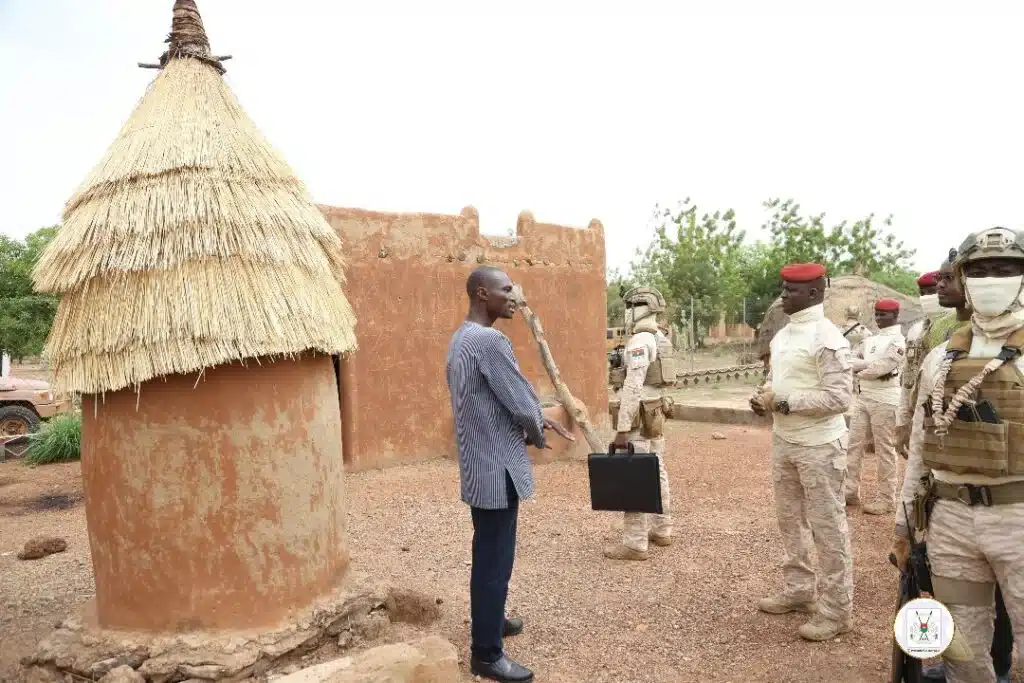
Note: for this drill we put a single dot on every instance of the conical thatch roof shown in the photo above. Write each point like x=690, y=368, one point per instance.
x=845, y=291
x=191, y=243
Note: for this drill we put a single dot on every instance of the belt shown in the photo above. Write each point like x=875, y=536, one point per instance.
x=973, y=494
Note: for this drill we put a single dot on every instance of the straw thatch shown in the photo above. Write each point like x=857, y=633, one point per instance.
x=844, y=291
x=191, y=243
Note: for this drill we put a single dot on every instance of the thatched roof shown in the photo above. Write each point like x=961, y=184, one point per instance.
x=191, y=243
x=845, y=291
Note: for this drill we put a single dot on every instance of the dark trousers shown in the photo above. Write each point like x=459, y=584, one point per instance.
x=494, y=551
x=1002, y=638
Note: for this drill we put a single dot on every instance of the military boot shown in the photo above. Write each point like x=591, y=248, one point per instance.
x=781, y=604
x=822, y=628
x=663, y=540
x=619, y=551
x=879, y=508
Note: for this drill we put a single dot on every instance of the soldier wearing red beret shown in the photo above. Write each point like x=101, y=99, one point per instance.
x=878, y=375
x=808, y=390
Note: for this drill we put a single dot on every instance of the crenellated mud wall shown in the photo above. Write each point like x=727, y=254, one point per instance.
x=406, y=278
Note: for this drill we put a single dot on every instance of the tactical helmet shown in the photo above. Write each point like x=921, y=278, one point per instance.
x=995, y=242
x=649, y=296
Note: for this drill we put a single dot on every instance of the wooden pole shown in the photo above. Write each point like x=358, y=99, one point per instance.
x=575, y=408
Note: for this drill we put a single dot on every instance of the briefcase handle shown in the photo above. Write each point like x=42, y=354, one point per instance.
x=629, y=448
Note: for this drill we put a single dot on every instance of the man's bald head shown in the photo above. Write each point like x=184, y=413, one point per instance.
x=483, y=277
x=490, y=294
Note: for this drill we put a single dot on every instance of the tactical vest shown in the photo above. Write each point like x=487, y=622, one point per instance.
x=977, y=447
x=660, y=373
x=650, y=417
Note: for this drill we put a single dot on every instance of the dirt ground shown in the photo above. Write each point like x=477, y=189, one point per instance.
x=685, y=615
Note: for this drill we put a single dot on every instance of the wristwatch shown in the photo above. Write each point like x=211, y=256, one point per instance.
x=782, y=407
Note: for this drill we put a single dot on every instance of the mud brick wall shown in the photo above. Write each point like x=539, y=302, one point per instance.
x=406, y=278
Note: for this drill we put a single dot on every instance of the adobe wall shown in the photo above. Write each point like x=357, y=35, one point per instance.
x=406, y=276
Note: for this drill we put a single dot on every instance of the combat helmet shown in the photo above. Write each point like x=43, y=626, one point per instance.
x=642, y=296
x=649, y=296
x=998, y=242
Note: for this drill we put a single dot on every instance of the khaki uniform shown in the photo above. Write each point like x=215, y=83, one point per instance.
x=856, y=334
x=972, y=547
x=648, y=362
x=917, y=349
x=875, y=415
x=813, y=374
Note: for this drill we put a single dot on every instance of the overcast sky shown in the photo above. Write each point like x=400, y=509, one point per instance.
x=560, y=107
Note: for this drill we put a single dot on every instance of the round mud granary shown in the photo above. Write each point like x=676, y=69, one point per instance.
x=219, y=506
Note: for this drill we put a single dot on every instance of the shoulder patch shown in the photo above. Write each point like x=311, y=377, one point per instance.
x=638, y=352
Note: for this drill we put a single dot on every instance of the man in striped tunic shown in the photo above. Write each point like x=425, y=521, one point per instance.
x=497, y=414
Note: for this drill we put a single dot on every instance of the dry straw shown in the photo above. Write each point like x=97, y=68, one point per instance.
x=191, y=244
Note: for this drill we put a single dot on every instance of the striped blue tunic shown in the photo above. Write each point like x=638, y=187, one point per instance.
x=497, y=414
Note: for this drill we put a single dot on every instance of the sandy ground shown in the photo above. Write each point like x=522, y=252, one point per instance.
x=687, y=614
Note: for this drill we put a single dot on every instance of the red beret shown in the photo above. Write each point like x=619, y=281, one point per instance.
x=887, y=305
x=802, y=272
x=928, y=279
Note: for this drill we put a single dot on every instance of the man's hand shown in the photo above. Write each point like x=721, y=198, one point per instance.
x=767, y=399
x=557, y=428
x=621, y=441
x=903, y=440
x=859, y=364
x=901, y=551
x=755, y=403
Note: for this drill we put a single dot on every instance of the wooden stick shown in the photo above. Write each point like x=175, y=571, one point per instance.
x=576, y=409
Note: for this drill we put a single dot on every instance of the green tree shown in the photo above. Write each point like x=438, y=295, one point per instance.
x=25, y=316
x=695, y=260
x=859, y=248
x=617, y=283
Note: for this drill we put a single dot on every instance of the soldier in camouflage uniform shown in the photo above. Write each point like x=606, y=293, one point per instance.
x=917, y=349
x=964, y=484
x=638, y=413
x=808, y=391
x=855, y=333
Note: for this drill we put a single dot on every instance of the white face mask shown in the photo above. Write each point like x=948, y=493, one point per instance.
x=930, y=304
x=992, y=296
x=636, y=313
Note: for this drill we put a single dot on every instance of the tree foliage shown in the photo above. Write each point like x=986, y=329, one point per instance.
x=706, y=256
x=694, y=260
x=25, y=316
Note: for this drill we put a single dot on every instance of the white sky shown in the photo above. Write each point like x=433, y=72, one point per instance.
x=580, y=115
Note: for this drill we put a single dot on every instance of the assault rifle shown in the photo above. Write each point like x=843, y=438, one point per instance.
x=914, y=579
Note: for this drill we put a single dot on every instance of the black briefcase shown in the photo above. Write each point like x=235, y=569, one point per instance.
x=624, y=482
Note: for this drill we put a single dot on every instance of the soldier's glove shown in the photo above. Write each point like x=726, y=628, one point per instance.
x=903, y=440
x=901, y=551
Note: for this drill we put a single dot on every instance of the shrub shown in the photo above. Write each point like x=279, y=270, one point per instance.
x=57, y=440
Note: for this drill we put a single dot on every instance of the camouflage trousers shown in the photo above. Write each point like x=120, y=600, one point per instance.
x=808, y=485
x=636, y=525
x=983, y=545
x=875, y=422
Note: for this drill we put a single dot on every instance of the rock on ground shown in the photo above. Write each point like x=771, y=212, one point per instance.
x=41, y=546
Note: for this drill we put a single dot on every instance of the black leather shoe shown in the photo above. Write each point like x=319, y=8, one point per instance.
x=504, y=670
x=513, y=627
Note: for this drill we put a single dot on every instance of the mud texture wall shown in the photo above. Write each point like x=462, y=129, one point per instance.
x=217, y=503
x=406, y=278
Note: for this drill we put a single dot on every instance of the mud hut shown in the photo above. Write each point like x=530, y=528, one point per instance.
x=201, y=306
x=844, y=291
